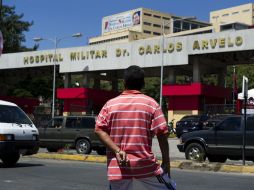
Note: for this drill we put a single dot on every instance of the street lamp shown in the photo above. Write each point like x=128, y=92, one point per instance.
x=55, y=41
x=162, y=48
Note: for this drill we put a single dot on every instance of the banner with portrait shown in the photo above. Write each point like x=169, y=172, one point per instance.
x=121, y=21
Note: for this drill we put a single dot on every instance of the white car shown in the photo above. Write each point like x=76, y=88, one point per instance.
x=18, y=134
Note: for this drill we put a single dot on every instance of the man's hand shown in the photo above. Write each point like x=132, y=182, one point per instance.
x=122, y=158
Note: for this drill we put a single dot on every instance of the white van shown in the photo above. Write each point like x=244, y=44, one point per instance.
x=18, y=134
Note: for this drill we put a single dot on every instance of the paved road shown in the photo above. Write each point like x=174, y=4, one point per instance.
x=174, y=152
x=39, y=174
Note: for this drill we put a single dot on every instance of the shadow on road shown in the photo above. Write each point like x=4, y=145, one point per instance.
x=21, y=165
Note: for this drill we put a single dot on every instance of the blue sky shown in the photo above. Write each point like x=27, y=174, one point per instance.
x=59, y=18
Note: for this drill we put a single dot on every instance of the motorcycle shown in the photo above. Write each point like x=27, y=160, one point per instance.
x=171, y=128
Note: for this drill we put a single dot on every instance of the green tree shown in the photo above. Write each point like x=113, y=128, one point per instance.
x=241, y=70
x=13, y=29
x=152, y=87
x=33, y=87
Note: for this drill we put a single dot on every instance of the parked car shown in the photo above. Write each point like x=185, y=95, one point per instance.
x=190, y=123
x=18, y=134
x=220, y=142
x=71, y=132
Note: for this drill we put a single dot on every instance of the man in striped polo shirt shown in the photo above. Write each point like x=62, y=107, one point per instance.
x=126, y=125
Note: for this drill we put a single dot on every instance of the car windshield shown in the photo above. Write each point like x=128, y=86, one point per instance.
x=190, y=118
x=13, y=114
x=217, y=118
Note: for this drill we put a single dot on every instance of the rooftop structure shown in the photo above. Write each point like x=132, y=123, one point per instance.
x=241, y=14
x=142, y=23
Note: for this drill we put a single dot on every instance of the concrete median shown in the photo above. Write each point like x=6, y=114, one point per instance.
x=180, y=164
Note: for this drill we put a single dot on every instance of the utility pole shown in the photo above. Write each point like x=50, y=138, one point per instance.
x=234, y=88
x=1, y=7
x=1, y=25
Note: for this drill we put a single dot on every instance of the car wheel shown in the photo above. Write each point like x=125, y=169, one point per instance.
x=217, y=158
x=52, y=149
x=195, y=152
x=83, y=146
x=10, y=159
x=101, y=151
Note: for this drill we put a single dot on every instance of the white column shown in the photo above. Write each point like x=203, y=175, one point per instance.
x=181, y=25
x=96, y=83
x=171, y=76
x=67, y=80
x=221, y=76
x=85, y=81
x=196, y=70
x=114, y=81
x=115, y=85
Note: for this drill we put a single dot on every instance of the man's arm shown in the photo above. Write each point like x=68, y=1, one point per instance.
x=163, y=142
x=105, y=139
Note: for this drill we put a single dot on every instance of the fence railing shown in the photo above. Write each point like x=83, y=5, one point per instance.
x=220, y=109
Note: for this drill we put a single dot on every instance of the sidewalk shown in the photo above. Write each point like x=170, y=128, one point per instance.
x=173, y=150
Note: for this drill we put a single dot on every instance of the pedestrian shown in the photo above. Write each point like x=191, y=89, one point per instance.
x=126, y=125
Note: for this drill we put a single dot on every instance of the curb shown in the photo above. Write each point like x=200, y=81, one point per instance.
x=74, y=157
x=180, y=164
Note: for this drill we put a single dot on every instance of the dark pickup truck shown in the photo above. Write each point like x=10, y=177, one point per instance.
x=221, y=142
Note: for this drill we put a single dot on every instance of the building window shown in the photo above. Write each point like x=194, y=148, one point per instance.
x=225, y=15
x=156, y=33
x=186, y=26
x=166, y=27
x=177, y=24
x=157, y=25
x=147, y=32
x=147, y=14
x=109, y=40
x=147, y=23
x=156, y=16
x=234, y=13
x=165, y=18
x=246, y=10
x=194, y=26
x=215, y=17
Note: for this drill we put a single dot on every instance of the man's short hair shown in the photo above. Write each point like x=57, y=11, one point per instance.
x=134, y=78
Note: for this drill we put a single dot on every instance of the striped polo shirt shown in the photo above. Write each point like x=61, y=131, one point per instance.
x=131, y=120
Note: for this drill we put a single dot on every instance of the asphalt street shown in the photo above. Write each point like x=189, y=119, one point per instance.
x=173, y=151
x=40, y=174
